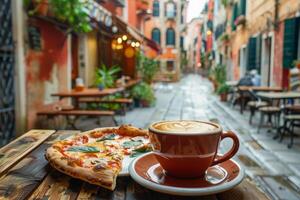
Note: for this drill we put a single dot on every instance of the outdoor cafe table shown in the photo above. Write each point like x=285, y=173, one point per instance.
x=87, y=92
x=26, y=174
x=245, y=89
x=272, y=96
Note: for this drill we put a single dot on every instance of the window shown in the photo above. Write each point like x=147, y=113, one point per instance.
x=170, y=65
x=155, y=35
x=170, y=35
x=170, y=10
x=156, y=8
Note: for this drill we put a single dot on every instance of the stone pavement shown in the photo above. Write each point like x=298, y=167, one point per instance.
x=269, y=163
x=274, y=167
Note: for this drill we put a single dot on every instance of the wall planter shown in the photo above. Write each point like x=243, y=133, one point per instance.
x=240, y=20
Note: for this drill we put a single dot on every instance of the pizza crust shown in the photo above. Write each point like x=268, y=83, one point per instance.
x=105, y=178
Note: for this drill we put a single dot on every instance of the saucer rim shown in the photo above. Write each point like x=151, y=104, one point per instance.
x=182, y=191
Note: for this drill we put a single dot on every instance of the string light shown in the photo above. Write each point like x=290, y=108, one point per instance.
x=124, y=37
x=137, y=44
x=119, y=40
x=133, y=44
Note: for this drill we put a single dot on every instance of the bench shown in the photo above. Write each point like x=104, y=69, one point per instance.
x=76, y=114
x=122, y=101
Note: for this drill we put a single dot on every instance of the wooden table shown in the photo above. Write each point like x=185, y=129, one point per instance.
x=87, y=92
x=281, y=96
x=244, y=89
x=26, y=174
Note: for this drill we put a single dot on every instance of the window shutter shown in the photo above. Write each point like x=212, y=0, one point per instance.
x=234, y=16
x=251, y=63
x=290, y=42
x=258, y=54
x=242, y=8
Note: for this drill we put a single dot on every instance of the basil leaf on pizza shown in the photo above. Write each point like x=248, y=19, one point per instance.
x=108, y=137
x=84, y=149
x=140, y=151
x=130, y=144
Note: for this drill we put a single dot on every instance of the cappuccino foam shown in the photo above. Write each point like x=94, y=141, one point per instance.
x=184, y=126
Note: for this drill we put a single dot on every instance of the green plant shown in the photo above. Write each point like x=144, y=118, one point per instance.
x=72, y=12
x=220, y=74
x=143, y=92
x=224, y=37
x=296, y=63
x=223, y=89
x=106, y=77
x=147, y=67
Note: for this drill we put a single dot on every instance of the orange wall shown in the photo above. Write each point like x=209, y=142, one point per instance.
x=40, y=66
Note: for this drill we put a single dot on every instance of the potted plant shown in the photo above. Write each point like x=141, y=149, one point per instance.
x=72, y=12
x=143, y=95
x=218, y=75
x=147, y=67
x=296, y=63
x=223, y=91
x=106, y=77
x=240, y=20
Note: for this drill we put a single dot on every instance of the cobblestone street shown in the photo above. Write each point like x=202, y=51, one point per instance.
x=269, y=163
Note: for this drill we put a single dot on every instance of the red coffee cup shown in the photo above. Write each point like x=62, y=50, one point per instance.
x=187, y=148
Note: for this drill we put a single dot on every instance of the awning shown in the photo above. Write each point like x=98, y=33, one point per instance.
x=101, y=15
x=136, y=34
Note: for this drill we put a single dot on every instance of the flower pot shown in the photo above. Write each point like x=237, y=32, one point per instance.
x=42, y=7
x=100, y=87
x=145, y=104
x=223, y=97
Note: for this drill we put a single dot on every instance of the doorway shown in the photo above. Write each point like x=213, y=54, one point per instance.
x=267, y=64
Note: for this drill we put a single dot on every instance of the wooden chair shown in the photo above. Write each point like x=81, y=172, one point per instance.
x=291, y=119
x=255, y=104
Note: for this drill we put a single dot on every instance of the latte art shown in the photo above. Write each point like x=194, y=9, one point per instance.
x=184, y=127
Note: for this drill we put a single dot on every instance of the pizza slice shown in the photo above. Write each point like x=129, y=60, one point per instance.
x=96, y=156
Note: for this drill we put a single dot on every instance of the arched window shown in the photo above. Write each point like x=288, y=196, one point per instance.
x=155, y=35
x=170, y=36
x=156, y=8
x=170, y=11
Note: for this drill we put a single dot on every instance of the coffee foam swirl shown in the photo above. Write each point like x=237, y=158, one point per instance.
x=184, y=127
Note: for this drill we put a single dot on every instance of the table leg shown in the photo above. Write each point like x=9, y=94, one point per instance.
x=242, y=102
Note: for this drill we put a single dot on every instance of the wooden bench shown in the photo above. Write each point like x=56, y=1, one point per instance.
x=122, y=101
x=76, y=114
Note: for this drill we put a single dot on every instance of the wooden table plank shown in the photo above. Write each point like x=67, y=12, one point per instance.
x=17, y=149
x=20, y=181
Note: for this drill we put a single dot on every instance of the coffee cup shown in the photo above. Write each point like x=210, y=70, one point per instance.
x=187, y=148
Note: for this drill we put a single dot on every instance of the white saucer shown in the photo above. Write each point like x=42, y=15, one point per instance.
x=146, y=171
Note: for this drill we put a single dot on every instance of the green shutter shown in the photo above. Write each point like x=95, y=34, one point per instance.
x=234, y=16
x=290, y=42
x=242, y=8
x=251, y=64
x=258, y=53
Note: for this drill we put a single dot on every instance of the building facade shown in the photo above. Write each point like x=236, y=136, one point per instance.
x=165, y=27
x=193, y=44
x=260, y=35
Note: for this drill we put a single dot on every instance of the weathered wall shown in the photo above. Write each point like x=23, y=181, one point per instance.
x=46, y=70
x=92, y=58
